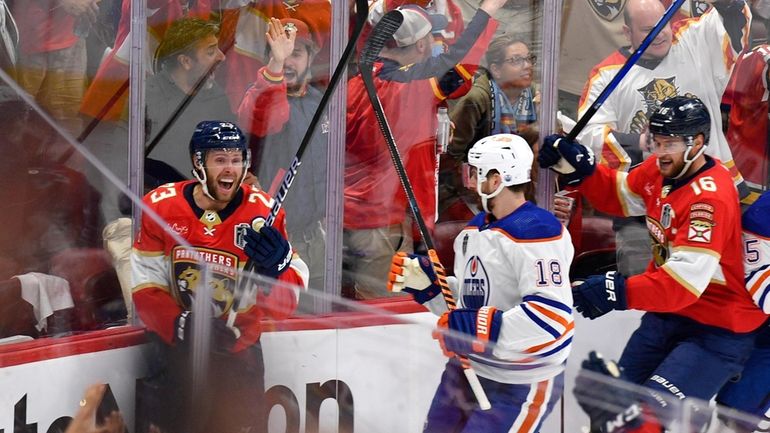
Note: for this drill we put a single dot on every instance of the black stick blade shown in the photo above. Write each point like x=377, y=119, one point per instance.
x=382, y=32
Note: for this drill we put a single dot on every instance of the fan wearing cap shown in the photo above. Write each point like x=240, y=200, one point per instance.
x=411, y=84
x=188, y=53
x=276, y=110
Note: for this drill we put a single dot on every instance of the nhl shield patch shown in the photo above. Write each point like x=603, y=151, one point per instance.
x=607, y=9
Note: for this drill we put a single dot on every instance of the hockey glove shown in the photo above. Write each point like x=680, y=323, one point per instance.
x=413, y=274
x=569, y=158
x=610, y=406
x=223, y=338
x=269, y=250
x=600, y=294
x=483, y=325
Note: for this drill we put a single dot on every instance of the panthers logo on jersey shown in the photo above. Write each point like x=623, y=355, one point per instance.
x=475, y=285
x=186, y=266
x=607, y=9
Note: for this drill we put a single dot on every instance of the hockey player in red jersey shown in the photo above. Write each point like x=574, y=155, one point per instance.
x=212, y=222
x=697, y=332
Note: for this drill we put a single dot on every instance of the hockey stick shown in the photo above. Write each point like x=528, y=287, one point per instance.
x=382, y=32
x=362, y=11
x=630, y=62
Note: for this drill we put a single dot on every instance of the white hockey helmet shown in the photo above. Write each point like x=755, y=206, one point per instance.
x=508, y=154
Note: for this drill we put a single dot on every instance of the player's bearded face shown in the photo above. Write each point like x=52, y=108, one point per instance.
x=224, y=169
x=670, y=152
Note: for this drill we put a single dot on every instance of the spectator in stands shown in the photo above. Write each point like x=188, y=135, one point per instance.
x=412, y=85
x=107, y=95
x=501, y=101
x=277, y=110
x=185, y=64
x=52, y=57
x=746, y=97
x=50, y=245
x=244, y=25
x=618, y=130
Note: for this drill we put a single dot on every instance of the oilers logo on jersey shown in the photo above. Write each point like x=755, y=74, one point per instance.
x=475, y=287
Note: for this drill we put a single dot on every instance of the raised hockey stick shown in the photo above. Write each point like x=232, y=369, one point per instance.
x=382, y=32
x=362, y=11
x=630, y=62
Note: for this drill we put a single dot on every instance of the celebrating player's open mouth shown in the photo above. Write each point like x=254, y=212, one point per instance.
x=225, y=186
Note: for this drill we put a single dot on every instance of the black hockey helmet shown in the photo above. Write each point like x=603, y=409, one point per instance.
x=681, y=116
x=214, y=135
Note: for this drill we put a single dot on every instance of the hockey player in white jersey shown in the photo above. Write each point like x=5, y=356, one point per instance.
x=751, y=392
x=514, y=300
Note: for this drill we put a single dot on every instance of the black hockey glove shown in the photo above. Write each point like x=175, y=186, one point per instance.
x=610, y=406
x=600, y=294
x=223, y=338
x=571, y=159
x=269, y=250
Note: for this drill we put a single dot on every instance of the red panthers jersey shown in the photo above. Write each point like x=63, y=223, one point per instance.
x=166, y=272
x=695, y=226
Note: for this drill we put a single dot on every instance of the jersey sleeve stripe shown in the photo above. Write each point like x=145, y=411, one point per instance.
x=436, y=89
x=463, y=72
x=612, y=145
x=141, y=287
x=147, y=253
x=550, y=314
x=539, y=347
x=682, y=281
x=691, y=249
x=630, y=201
x=550, y=302
x=532, y=316
x=763, y=299
x=758, y=281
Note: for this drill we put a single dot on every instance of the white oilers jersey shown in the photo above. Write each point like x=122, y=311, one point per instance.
x=756, y=258
x=699, y=64
x=519, y=265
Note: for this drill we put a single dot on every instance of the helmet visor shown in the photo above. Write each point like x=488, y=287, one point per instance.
x=665, y=145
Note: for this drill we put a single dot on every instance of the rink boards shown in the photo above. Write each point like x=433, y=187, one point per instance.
x=354, y=372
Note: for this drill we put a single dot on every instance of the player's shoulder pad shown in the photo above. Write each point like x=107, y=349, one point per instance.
x=530, y=222
x=755, y=218
x=478, y=220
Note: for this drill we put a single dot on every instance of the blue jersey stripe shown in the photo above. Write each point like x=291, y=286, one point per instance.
x=756, y=271
x=762, y=298
x=540, y=322
x=557, y=348
x=549, y=302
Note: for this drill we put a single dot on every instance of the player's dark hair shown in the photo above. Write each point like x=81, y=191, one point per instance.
x=496, y=51
x=180, y=38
